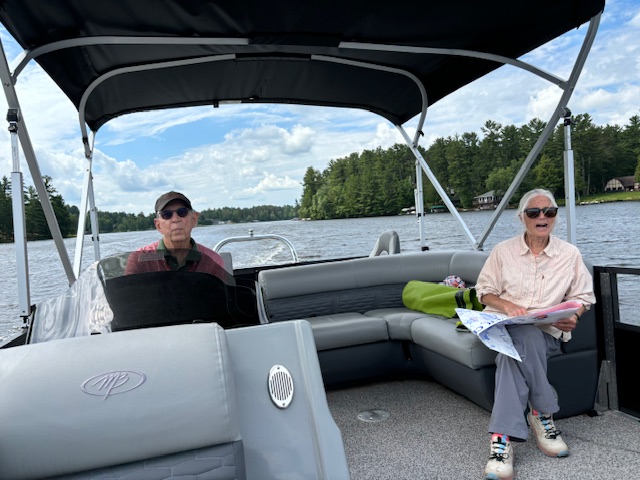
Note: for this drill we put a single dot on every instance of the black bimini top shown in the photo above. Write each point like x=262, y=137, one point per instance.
x=112, y=57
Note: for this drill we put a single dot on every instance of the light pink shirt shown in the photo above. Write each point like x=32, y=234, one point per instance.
x=557, y=274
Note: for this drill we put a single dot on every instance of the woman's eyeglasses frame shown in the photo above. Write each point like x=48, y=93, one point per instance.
x=548, y=212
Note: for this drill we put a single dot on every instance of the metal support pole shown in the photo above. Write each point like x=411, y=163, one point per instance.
x=95, y=226
x=34, y=168
x=569, y=179
x=609, y=382
x=436, y=184
x=19, y=222
x=87, y=204
x=419, y=203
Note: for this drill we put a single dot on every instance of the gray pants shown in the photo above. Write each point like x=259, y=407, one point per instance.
x=518, y=383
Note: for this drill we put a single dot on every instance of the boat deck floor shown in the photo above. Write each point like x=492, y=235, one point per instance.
x=432, y=432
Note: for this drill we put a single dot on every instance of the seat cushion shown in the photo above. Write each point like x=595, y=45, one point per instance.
x=112, y=399
x=439, y=335
x=347, y=329
x=398, y=320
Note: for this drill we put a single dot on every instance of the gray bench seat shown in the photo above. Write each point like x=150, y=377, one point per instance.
x=347, y=329
x=439, y=335
x=98, y=405
x=176, y=402
x=436, y=333
x=399, y=321
x=362, y=329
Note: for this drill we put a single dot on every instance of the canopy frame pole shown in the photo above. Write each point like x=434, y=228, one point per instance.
x=34, y=168
x=419, y=203
x=436, y=184
x=19, y=222
x=548, y=130
x=87, y=203
x=569, y=180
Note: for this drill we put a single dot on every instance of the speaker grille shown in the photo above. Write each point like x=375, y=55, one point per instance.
x=280, y=386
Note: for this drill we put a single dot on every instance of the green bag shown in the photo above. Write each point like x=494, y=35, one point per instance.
x=438, y=299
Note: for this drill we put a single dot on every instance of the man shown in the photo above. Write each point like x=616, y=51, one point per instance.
x=176, y=250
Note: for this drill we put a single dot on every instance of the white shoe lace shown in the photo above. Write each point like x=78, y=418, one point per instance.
x=499, y=451
x=551, y=432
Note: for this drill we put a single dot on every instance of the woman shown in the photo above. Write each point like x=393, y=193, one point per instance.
x=529, y=272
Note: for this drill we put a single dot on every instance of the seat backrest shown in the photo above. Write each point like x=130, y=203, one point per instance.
x=228, y=261
x=114, y=401
x=388, y=243
x=113, y=266
x=585, y=335
x=169, y=298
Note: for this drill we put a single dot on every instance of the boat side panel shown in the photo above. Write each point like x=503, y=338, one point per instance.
x=301, y=441
x=107, y=400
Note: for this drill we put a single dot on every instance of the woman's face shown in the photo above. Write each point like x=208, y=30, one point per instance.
x=542, y=225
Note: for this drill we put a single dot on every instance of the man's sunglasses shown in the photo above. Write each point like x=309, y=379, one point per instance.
x=168, y=214
x=549, y=212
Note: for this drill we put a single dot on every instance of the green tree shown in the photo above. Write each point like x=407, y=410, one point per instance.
x=36, y=223
x=311, y=184
x=6, y=211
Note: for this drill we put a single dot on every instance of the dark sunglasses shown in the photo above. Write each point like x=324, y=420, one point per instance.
x=549, y=212
x=168, y=214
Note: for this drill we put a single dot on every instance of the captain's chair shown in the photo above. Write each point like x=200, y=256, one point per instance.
x=388, y=243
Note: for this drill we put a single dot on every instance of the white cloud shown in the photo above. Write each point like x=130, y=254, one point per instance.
x=270, y=182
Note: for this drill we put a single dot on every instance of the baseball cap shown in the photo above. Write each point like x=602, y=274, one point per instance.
x=165, y=198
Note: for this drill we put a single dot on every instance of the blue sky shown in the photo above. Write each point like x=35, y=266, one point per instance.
x=241, y=156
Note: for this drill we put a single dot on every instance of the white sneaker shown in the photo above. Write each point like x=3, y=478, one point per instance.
x=500, y=464
x=547, y=435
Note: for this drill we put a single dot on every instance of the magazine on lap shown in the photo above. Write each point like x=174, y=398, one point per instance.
x=490, y=328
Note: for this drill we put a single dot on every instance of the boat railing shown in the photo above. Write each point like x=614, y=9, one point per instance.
x=618, y=340
x=251, y=237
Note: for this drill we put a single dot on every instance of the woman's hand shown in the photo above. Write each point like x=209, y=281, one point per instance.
x=511, y=309
x=567, y=324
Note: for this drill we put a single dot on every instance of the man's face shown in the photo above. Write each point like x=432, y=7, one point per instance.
x=176, y=231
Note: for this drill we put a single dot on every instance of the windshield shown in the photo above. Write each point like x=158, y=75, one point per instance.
x=146, y=289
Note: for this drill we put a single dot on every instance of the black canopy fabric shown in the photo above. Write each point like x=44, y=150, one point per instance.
x=270, y=48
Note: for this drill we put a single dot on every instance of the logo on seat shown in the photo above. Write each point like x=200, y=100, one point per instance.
x=112, y=383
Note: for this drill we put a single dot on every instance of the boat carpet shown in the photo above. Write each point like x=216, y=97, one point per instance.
x=434, y=433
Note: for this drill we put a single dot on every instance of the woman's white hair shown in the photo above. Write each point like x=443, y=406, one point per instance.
x=536, y=192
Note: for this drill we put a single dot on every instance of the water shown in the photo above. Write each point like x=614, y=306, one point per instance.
x=608, y=235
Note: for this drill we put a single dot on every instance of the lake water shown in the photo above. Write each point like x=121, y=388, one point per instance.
x=608, y=234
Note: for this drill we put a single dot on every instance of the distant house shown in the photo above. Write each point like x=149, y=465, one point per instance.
x=486, y=201
x=622, y=184
x=438, y=209
x=408, y=211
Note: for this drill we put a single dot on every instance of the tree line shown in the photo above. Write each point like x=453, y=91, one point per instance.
x=381, y=182
x=38, y=229
x=129, y=222
x=35, y=221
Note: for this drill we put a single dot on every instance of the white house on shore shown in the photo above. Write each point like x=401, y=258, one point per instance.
x=487, y=201
x=622, y=184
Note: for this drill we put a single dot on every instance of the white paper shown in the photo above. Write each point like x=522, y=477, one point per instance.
x=490, y=328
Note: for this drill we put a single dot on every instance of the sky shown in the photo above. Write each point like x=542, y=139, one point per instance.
x=249, y=155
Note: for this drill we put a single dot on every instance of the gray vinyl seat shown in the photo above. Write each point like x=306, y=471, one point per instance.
x=388, y=243
x=129, y=404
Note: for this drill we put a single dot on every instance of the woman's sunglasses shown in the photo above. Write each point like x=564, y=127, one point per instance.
x=549, y=212
x=168, y=214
